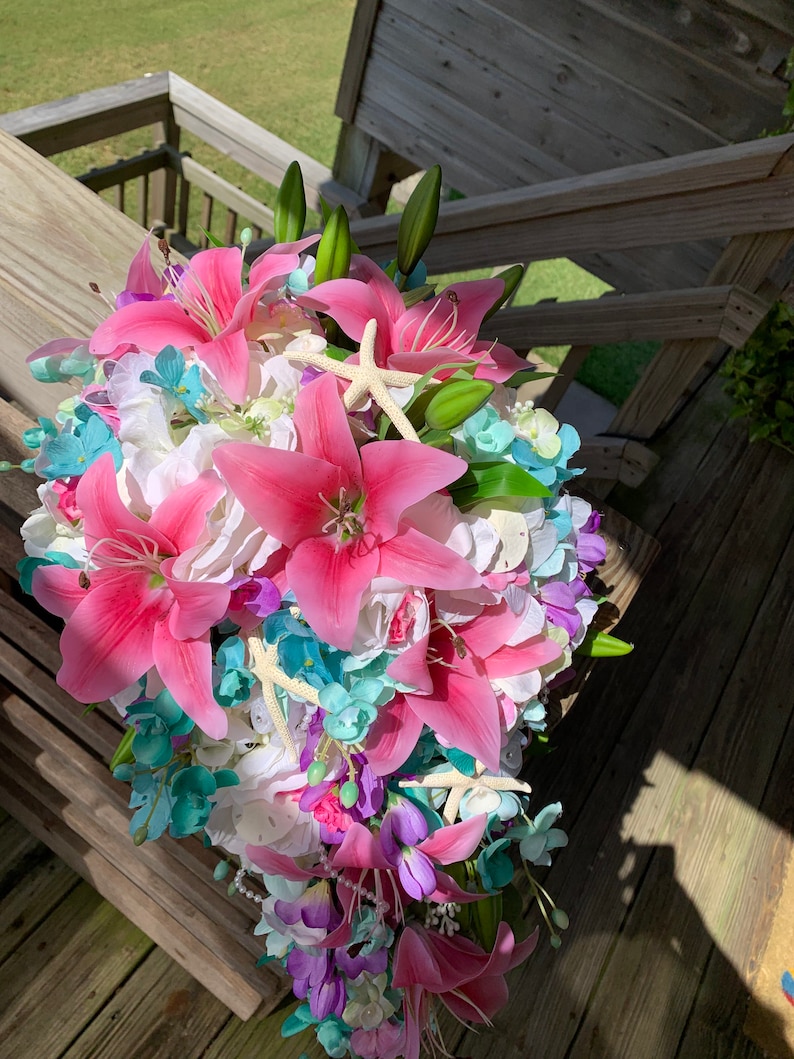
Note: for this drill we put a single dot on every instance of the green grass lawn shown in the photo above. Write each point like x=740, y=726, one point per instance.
x=277, y=62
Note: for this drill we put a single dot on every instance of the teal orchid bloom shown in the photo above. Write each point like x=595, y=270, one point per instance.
x=183, y=384
x=350, y=713
x=159, y=722
x=494, y=866
x=69, y=455
x=538, y=836
x=300, y=653
x=191, y=790
x=236, y=681
x=485, y=435
x=34, y=437
x=546, y=456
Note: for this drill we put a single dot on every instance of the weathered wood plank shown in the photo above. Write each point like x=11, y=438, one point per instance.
x=42, y=883
x=76, y=120
x=728, y=313
x=65, y=971
x=252, y=146
x=355, y=62
x=159, y=1012
x=28, y=797
x=643, y=46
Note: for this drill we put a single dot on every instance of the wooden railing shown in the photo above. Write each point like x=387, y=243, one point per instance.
x=165, y=178
x=741, y=195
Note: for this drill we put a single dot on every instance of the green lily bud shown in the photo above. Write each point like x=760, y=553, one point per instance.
x=316, y=773
x=456, y=401
x=335, y=248
x=486, y=916
x=602, y=645
x=123, y=754
x=418, y=221
x=289, y=214
x=348, y=795
x=511, y=277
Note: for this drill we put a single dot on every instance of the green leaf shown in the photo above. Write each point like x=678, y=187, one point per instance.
x=486, y=916
x=289, y=213
x=213, y=240
x=492, y=481
x=334, y=249
x=337, y=353
x=528, y=375
x=418, y=221
x=783, y=410
x=511, y=277
x=123, y=754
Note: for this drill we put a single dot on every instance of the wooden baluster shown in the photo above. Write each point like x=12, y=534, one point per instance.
x=118, y=197
x=143, y=200
x=231, y=227
x=184, y=203
x=206, y=219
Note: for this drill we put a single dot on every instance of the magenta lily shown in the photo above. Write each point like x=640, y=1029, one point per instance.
x=208, y=313
x=466, y=979
x=438, y=331
x=339, y=512
x=130, y=613
x=452, y=670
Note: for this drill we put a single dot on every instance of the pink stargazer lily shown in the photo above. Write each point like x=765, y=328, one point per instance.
x=441, y=330
x=130, y=613
x=452, y=670
x=466, y=979
x=338, y=511
x=209, y=312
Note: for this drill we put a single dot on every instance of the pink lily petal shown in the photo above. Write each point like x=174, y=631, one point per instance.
x=360, y=849
x=392, y=737
x=150, y=325
x=107, y=643
x=142, y=277
x=213, y=279
x=448, y=890
x=455, y=842
x=182, y=516
x=497, y=361
x=328, y=581
x=451, y=319
x=478, y=1000
x=423, y=360
x=415, y=559
x=272, y=863
x=353, y=304
x=508, y=954
x=57, y=589
x=532, y=654
x=490, y=630
x=437, y=969
x=398, y=474
x=324, y=430
x=410, y=667
x=185, y=667
x=462, y=707
x=106, y=517
x=198, y=605
x=278, y=260
x=229, y=360
x=280, y=488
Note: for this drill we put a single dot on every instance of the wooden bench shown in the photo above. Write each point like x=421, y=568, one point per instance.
x=55, y=778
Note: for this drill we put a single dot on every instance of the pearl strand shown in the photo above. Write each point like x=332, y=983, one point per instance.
x=381, y=907
x=243, y=890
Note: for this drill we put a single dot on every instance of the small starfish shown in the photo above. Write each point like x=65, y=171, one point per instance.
x=266, y=669
x=458, y=784
x=365, y=378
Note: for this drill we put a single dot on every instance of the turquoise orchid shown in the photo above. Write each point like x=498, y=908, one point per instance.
x=538, y=836
x=485, y=435
x=158, y=721
x=183, y=384
x=350, y=713
x=548, y=448
x=191, y=789
x=236, y=681
x=69, y=455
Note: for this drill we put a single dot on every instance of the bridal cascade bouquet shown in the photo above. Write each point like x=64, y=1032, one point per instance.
x=308, y=542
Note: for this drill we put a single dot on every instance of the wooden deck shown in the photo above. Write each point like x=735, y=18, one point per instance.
x=675, y=770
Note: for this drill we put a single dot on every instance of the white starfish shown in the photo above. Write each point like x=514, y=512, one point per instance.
x=457, y=784
x=365, y=378
x=266, y=670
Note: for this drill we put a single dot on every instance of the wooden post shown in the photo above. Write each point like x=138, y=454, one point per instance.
x=365, y=166
x=163, y=199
